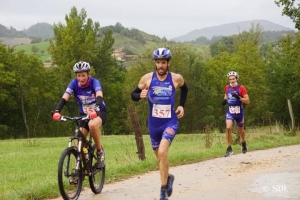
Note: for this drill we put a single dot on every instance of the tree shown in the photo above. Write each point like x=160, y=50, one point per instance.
x=225, y=44
x=34, y=49
x=79, y=40
x=26, y=93
x=283, y=77
x=201, y=40
x=243, y=57
x=36, y=40
x=7, y=81
x=290, y=9
x=73, y=42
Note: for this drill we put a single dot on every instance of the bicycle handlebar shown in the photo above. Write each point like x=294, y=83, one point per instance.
x=59, y=117
x=66, y=118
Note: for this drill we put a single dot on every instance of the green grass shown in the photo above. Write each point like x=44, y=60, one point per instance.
x=29, y=167
x=42, y=46
x=131, y=44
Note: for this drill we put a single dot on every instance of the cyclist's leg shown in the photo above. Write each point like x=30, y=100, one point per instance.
x=94, y=126
x=84, y=127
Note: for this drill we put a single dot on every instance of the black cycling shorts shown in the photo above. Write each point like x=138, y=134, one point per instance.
x=102, y=114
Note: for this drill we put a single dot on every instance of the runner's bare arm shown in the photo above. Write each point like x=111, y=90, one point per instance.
x=141, y=91
x=225, y=96
x=178, y=80
x=245, y=99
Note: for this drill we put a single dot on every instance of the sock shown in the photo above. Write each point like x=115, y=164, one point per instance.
x=244, y=144
x=164, y=187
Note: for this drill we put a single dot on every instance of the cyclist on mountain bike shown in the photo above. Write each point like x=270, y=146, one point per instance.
x=88, y=94
x=235, y=95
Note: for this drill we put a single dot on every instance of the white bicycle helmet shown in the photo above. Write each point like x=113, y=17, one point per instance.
x=233, y=73
x=81, y=67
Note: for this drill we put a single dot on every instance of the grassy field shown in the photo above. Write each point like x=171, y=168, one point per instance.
x=29, y=166
x=42, y=46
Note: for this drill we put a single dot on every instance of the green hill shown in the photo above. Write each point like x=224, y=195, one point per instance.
x=42, y=50
x=42, y=30
x=121, y=42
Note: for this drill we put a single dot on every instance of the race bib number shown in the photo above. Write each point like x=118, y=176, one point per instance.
x=234, y=109
x=161, y=111
x=88, y=108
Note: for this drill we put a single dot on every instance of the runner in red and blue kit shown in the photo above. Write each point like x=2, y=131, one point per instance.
x=235, y=110
x=159, y=87
x=235, y=95
x=88, y=94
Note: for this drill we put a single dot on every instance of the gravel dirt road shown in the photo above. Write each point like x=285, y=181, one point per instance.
x=266, y=174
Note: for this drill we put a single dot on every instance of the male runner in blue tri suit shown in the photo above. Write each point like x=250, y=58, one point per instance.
x=88, y=94
x=235, y=95
x=159, y=87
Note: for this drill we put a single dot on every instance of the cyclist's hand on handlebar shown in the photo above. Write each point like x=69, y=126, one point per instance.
x=56, y=115
x=97, y=108
x=93, y=114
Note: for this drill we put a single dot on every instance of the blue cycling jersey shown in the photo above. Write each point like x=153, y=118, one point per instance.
x=85, y=96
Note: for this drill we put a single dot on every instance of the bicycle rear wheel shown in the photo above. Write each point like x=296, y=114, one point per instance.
x=69, y=179
x=97, y=175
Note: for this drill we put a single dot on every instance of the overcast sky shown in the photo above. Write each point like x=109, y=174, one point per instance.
x=169, y=18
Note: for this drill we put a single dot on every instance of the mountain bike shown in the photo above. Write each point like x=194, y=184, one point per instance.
x=74, y=164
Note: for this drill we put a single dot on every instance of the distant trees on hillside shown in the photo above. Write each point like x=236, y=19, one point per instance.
x=130, y=33
x=36, y=40
x=10, y=32
x=268, y=36
x=39, y=30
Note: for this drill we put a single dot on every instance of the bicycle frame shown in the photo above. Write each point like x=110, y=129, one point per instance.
x=81, y=140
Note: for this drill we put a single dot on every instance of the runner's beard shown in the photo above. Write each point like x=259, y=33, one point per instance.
x=164, y=72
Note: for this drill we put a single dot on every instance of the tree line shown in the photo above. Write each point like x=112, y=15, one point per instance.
x=268, y=36
x=29, y=91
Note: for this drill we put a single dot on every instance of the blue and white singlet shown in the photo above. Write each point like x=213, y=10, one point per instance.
x=162, y=121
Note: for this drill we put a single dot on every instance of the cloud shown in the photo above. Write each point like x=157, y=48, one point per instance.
x=163, y=18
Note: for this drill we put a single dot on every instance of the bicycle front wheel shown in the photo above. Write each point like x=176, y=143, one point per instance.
x=69, y=179
x=97, y=176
